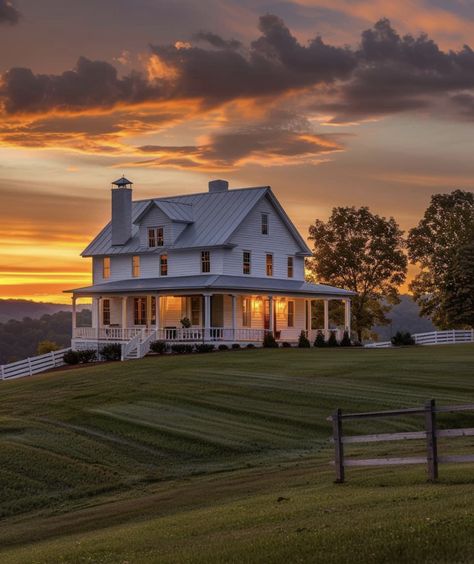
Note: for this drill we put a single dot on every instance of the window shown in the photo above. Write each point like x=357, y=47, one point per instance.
x=246, y=312
x=164, y=265
x=106, y=267
x=291, y=314
x=290, y=267
x=155, y=237
x=195, y=310
x=269, y=264
x=135, y=266
x=205, y=261
x=139, y=311
x=264, y=223
x=246, y=262
x=105, y=312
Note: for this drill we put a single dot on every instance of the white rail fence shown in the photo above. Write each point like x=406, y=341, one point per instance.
x=32, y=365
x=449, y=337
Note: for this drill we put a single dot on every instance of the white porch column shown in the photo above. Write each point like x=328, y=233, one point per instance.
x=157, y=313
x=234, y=315
x=148, y=312
x=308, y=316
x=74, y=320
x=271, y=311
x=347, y=316
x=207, y=316
x=124, y=315
x=97, y=316
x=326, y=318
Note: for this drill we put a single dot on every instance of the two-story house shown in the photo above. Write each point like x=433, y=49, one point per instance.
x=219, y=266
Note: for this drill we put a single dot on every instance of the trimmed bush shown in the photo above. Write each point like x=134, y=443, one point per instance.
x=250, y=346
x=346, y=340
x=402, y=338
x=71, y=357
x=204, y=348
x=87, y=355
x=269, y=341
x=320, y=340
x=286, y=345
x=223, y=347
x=47, y=347
x=236, y=346
x=180, y=348
x=332, y=341
x=111, y=352
x=303, y=342
x=158, y=347
x=188, y=349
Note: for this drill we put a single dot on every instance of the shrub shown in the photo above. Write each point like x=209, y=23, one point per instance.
x=185, y=322
x=223, y=347
x=178, y=348
x=402, y=338
x=111, y=352
x=87, y=355
x=47, y=347
x=204, y=348
x=332, y=341
x=188, y=349
x=303, y=342
x=286, y=345
x=235, y=346
x=346, y=340
x=71, y=357
x=250, y=346
x=269, y=341
x=319, y=341
x=158, y=347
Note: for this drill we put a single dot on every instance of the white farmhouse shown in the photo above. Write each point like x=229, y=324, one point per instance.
x=222, y=266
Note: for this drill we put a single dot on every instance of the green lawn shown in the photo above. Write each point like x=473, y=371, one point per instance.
x=225, y=457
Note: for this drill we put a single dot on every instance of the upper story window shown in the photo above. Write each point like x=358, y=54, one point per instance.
x=290, y=267
x=155, y=236
x=164, y=265
x=106, y=267
x=106, y=312
x=135, y=266
x=269, y=264
x=205, y=261
x=246, y=266
x=265, y=229
x=291, y=314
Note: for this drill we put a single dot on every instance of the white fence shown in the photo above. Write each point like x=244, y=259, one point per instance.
x=33, y=365
x=451, y=336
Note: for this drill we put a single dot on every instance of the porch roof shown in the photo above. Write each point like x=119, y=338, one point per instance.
x=210, y=282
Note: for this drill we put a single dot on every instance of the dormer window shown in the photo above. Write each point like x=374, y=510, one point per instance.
x=136, y=266
x=265, y=224
x=155, y=236
x=205, y=261
x=106, y=267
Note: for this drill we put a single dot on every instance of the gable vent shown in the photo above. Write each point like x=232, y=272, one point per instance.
x=218, y=186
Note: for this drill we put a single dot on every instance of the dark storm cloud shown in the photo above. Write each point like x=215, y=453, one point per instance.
x=8, y=13
x=217, y=41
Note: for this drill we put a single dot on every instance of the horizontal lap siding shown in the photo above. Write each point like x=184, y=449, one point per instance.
x=279, y=242
x=156, y=218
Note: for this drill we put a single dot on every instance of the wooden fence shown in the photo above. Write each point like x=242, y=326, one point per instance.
x=430, y=435
x=451, y=336
x=32, y=365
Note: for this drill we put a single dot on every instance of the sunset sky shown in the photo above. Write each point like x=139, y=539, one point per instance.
x=339, y=102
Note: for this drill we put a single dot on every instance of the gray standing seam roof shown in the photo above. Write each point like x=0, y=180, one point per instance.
x=212, y=219
x=213, y=282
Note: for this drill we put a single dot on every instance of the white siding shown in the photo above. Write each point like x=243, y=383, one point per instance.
x=155, y=218
x=278, y=242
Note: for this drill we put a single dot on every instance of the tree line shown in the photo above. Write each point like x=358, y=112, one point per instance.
x=369, y=254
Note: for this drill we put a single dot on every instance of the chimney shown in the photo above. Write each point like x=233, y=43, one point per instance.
x=218, y=186
x=121, y=211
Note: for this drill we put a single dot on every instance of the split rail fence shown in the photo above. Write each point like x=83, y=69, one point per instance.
x=430, y=435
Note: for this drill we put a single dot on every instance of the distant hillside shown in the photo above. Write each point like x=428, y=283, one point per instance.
x=18, y=309
x=404, y=317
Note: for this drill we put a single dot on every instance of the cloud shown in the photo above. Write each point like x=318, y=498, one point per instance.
x=217, y=41
x=8, y=13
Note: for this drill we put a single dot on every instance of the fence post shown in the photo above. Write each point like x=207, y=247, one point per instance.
x=431, y=440
x=2, y=372
x=338, y=446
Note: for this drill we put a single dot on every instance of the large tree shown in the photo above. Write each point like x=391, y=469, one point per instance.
x=459, y=296
x=435, y=245
x=363, y=252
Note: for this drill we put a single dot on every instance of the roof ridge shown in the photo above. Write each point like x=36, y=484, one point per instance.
x=201, y=194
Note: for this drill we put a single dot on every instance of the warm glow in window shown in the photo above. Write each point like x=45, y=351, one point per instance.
x=135, y=266
x=269, y=265
x=164, y=265
x=106, y=267
x=155, y=237
x=291, y=314
x=246, y=312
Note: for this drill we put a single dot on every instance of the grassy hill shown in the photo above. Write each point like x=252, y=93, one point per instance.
x=224, y=458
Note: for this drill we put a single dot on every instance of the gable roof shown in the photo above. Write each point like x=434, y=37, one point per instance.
x=212, y=220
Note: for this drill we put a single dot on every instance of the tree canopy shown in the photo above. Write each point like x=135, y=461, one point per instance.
x=363, y=252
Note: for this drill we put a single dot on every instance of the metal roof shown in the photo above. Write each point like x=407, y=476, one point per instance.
x=122, y=182
x=215, y=217
x=202, y=282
